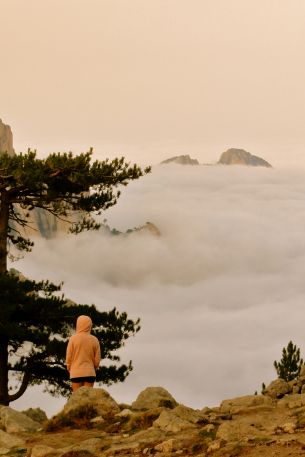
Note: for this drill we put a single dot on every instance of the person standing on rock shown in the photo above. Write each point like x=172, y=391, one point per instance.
x=83, y=355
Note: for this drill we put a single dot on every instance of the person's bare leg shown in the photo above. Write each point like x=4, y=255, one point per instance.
x=88, y=384
x=76, y=386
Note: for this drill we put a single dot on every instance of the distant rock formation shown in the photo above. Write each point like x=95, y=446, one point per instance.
x=181, y=160
x=6, y=139
x=149, y=228
x=235, y=156
x=41, y=222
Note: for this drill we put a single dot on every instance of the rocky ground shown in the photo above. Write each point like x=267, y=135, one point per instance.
x=93, y=424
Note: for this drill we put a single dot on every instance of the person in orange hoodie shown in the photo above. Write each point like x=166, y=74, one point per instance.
x=83, y=355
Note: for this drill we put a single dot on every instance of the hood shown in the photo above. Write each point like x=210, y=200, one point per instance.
x=83, y=324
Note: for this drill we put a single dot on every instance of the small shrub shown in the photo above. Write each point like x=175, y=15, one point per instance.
x=198, y=447
x=78, y=418
x=142, y=421
x=166, y=404
x=208, y=434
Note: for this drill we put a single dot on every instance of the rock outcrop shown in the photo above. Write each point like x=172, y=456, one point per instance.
x=149, y=228
x=6, y=139
x=235, y=156
x=98, y=399
x=181, y=160
x=153, y=397
x=13, y=421
x=92, y=424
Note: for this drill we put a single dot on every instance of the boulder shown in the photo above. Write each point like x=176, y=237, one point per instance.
x=232, y=431
x=277, y=389
x=234, y=156
x=292, y=401
x=147, y=437
x=188, y=414
x=166, y=446
x=99, y=399
x=9, y=441
x=90, y=446
x=240, y=404
x=153, y=397
x=170, y=421
x=15, y=422
x=126, y=412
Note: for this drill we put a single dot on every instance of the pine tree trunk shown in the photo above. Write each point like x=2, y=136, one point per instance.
x=4, y=217
x=3, y=372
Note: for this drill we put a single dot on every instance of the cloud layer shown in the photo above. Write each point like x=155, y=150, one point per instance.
x=219, y=293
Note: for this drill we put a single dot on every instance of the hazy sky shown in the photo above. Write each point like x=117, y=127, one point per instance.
x=219, y=294
x=147, y=78
x=222, y=291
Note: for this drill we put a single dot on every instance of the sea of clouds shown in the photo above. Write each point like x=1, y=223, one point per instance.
x=219, y=293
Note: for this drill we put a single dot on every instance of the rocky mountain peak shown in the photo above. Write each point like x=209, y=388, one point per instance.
x=234, y=156
x=181, y=160
x=6, y=139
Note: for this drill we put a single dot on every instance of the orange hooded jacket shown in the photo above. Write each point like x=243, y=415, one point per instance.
x=83, y=350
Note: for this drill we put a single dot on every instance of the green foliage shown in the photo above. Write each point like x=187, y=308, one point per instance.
x=35, y=323
x=289, y=367
x=35, y=319
x=62, y=184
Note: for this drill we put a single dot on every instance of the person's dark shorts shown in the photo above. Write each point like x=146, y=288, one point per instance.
x=83, y=379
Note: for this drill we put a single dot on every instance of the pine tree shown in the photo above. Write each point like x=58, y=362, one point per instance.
x=289, y=367
x=35, y=323
x=61, y=184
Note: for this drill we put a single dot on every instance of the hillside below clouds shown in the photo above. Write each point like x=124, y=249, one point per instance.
x=46, y=225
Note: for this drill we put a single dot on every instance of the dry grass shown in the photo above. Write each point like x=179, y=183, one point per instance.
x=79, y=418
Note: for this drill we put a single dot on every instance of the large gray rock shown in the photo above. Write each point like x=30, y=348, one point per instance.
x=153, y=397
x=188, y=414
x=6, y=139
x=170, y=422
x=15, y=422
x=235, y=156
x=278, y=388
x=240, y=404
x=177, y=419
x=99, y=399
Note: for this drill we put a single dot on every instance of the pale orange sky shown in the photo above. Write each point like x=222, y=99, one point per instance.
x=152, y=76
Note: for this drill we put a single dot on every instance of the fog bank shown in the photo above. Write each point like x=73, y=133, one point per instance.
x=219, y=293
